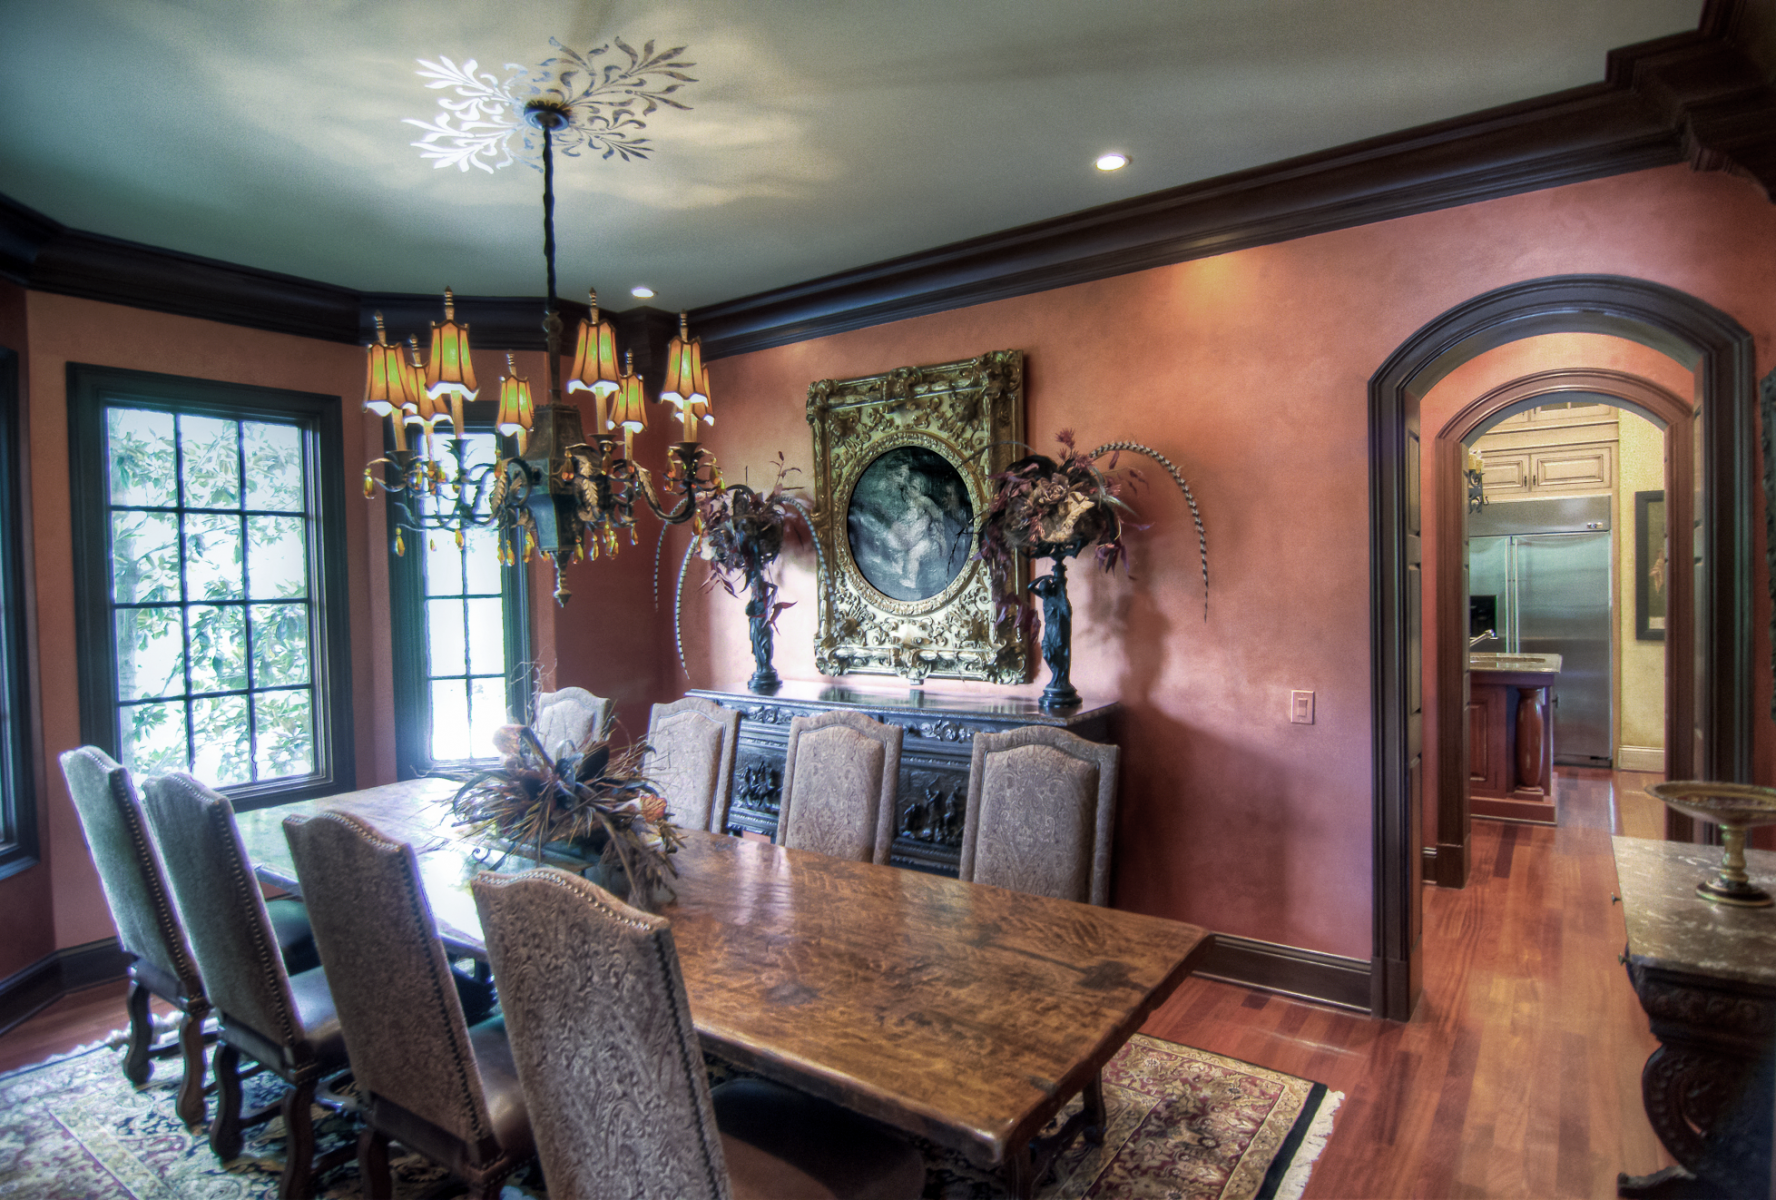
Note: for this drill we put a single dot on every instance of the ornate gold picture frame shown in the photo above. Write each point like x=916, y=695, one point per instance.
x=902, y=463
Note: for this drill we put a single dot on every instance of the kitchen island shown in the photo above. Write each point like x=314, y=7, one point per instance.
x=1511, y=736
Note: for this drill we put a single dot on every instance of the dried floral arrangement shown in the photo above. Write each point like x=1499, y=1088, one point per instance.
x=1049, y=508
x=595, y=798
x=740, y=533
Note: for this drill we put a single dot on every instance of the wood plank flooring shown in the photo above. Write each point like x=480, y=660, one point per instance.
x=1519, y=1074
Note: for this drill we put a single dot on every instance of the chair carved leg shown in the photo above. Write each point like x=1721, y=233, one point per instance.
x=299, y=1145
x=373, y=1165
x=190, y=1105
x=225, y=1130
x=141, y=1035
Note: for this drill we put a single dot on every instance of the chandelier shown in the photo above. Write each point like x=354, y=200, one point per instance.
x=551, y=490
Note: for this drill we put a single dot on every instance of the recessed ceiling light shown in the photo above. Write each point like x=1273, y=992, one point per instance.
x=642, y=291
x=1112, y=162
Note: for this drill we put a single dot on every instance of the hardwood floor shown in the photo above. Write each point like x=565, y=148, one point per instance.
x=75, y=1020
x=1519, y=1074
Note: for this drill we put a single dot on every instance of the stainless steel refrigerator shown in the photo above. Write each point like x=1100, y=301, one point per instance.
x=1545, y=565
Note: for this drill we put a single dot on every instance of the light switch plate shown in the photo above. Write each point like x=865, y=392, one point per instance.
x=1301, y=708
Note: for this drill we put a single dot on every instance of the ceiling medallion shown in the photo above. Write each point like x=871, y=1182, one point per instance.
x=603, y=106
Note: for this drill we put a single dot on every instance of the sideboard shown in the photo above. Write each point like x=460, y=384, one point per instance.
x=934, y=757
x=1706, y=976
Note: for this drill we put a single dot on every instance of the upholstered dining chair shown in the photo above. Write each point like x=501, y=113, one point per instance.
x=602, y=1034
x=566, y=720
x=427, y=1079
x=1041, y=813
x=284, y=1022
x=840, y=778
x=690, y=757
x=135, y=886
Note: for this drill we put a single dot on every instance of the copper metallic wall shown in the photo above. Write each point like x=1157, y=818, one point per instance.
x=1251, y=372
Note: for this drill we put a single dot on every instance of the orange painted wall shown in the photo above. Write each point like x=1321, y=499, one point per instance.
x=1251, y=371
x=61, y=330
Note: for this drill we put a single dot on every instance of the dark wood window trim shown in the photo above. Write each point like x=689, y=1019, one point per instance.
x=410, y=646
x=91, y=389
x=18, y=793
x=1720, y=352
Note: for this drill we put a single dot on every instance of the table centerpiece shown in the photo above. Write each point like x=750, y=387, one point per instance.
x=592, y=804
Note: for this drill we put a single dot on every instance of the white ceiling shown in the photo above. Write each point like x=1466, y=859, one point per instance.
x=824, y=134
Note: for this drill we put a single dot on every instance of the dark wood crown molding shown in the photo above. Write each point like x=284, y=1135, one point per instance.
x=1692, y=97
x=1700, y=98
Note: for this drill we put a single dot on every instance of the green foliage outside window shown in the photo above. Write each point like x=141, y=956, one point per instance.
x=211, y=594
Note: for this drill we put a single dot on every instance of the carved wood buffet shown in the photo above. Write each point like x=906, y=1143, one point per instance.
x=1706, y=976
x=934, y=758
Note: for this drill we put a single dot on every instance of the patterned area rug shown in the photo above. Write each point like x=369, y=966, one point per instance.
x=1184, y=1125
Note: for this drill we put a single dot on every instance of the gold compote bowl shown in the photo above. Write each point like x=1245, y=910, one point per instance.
x=1735, y=807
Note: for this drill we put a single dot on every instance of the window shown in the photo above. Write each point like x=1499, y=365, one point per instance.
x=210, y=581
x=18, y=804
x=461, y=639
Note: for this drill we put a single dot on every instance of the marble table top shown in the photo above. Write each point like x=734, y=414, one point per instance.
x=1671, y=927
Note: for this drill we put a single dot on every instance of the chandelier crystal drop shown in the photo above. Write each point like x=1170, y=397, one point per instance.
x=551, y=490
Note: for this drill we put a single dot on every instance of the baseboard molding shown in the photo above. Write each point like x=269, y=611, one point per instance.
x=1289, y=971
x=70, y=969
x=1641, y=758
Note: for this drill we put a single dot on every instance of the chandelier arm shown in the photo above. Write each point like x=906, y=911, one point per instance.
x=684, y=511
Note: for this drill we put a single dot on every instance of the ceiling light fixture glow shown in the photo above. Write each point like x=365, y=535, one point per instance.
x=642, y=291
x=1112, y=161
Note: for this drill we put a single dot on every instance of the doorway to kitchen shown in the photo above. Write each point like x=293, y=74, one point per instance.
x=1454, y=748
x=1717, y=352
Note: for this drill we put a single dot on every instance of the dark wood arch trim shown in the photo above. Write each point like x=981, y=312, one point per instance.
x=1719, y=352
x=1631, y=392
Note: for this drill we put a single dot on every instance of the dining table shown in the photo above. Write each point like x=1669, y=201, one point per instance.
x=961, y=1013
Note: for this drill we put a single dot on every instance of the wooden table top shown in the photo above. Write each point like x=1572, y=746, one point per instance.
x=963, y=1013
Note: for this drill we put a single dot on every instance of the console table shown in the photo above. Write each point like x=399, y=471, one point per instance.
x=934, y=756
x=1706, y=976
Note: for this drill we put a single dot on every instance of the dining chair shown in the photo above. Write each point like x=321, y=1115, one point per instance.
x=840, y=778
x=1041, y=813
x=425, y=1078
x=601, y=1030
x=690, y=758
x=135, y=886
x=280, y=1020
x=569, y=719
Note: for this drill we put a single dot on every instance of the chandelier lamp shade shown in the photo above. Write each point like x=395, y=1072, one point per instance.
x=551, y=489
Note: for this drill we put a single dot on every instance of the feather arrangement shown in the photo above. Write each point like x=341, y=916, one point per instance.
x=595, y=798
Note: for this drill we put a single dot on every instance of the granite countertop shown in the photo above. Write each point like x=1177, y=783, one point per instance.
x=1671, y=927
x=1516, y=664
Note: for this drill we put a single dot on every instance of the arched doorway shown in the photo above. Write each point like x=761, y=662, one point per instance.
x=1718, y=350
x=1627, y=391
